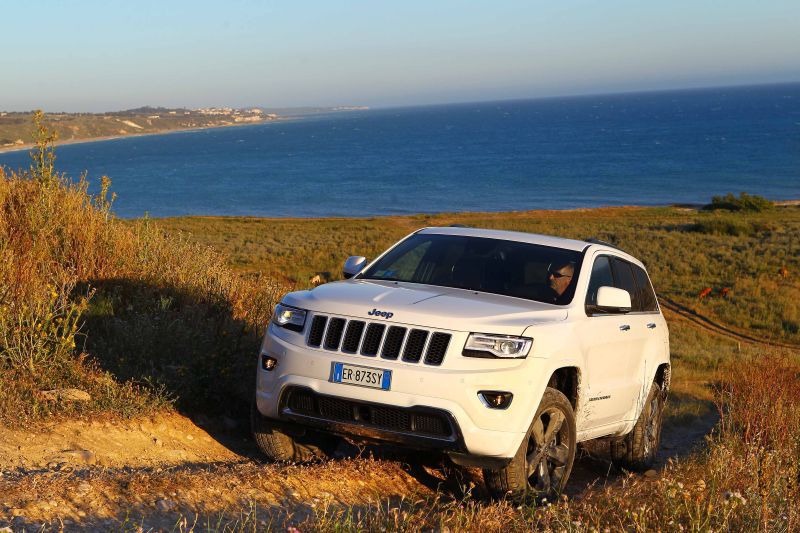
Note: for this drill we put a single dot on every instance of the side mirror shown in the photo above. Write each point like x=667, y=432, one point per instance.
x=613, y=300
x=353, y=265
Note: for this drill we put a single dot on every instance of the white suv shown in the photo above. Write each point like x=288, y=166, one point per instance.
x=501, y=349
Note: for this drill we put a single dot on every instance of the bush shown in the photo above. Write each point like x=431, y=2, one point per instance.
x=745, y=202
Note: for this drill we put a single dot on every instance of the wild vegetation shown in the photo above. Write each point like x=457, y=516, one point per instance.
x=744, y=202
x=148, y=316
x=134, y=317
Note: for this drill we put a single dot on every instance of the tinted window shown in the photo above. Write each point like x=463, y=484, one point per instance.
x=510, y=268
x=601, y=277
x=647, y=298
x=623, y=277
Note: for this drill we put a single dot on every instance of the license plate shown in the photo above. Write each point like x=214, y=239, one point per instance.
x=363, y=376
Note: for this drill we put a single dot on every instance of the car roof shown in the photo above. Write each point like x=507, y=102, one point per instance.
x=518, y=236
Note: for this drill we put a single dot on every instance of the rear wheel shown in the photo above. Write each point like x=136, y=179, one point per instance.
x=280, y=446
x=639, y=449
x=544, y=460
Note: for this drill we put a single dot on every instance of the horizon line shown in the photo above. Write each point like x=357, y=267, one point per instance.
x=454, y=102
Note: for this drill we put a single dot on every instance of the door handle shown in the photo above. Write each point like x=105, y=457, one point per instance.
x=651, y=325
x=624, y=327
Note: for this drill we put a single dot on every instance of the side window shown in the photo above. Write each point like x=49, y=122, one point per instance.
x=601, y=277
x=647, y=297
x=625, y=280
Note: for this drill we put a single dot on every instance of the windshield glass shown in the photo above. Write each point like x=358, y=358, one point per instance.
x=518, y=269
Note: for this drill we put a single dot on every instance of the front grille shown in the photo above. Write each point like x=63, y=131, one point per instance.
x=437, y=348
x=353, y=336
x=416, y=341
x=371, y=338
x=334, y=335
x=393, y=342
x=424, y=422
x=317, y=329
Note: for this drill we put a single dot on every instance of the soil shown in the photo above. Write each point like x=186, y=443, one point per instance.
x=167, y=472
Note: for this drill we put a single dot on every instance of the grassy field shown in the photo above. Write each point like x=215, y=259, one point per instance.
x=685, y=251
x=154, y=315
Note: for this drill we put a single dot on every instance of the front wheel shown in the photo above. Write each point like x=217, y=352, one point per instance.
x=544, y=460
x=281, y=447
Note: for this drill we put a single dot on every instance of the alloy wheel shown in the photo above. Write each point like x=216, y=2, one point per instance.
x=548, y=452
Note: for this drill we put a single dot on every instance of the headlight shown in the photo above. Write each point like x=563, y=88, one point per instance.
x=505, y=346
x=289, y=317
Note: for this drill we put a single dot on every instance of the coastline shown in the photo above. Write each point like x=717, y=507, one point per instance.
x=28, y=146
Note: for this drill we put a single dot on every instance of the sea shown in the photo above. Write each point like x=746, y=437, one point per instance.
x=654, y=148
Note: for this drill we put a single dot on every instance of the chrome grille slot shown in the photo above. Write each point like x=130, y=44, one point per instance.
x=437, y=348
x=414, y=345
x=393, y=342
x=317, y=329
x=372, y=339
x=352, y=337
x=334, y=335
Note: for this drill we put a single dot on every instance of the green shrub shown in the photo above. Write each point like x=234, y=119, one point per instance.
x=744, y=202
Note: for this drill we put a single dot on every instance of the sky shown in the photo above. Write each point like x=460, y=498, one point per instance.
x=111, y=55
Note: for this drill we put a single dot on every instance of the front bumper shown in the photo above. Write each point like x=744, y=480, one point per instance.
x=451, y=389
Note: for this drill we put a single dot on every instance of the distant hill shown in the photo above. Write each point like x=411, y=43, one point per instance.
x=16, y=128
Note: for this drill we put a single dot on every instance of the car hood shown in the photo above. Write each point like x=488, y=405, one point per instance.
x=426, y=306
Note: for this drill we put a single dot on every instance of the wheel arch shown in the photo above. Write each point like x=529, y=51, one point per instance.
x=567, y=380
x=663, y=377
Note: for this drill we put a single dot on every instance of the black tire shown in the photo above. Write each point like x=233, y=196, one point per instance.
x=542, y=465
x=639, y=448
x=281, y=447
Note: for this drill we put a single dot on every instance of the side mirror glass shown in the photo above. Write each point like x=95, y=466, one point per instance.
x=353, y=265
x=613, y=300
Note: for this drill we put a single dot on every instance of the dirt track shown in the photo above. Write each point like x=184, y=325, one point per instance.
x=676, y=310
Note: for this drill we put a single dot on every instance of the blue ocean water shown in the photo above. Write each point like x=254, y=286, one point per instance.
x=630, y=149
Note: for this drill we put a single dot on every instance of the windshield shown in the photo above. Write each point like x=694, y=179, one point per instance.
x=518, y=269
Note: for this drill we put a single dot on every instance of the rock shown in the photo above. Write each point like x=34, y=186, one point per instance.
x=651, y=474
x=86, y=457
x=66, y=395
x=165, y=505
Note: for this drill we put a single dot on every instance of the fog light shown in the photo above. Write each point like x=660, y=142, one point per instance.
x=268, y=363
x=495, y=399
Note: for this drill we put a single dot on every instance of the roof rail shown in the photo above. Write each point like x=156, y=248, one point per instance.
x=458, y=226
x=592, y=240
